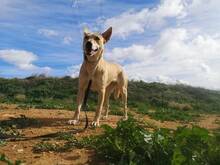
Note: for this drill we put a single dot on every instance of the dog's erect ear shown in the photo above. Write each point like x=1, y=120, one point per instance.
x=107, y=34
x=85, y=30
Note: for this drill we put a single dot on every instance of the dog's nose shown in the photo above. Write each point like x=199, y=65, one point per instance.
x=88, y=46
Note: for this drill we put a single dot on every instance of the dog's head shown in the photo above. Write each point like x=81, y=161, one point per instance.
x=93, y=44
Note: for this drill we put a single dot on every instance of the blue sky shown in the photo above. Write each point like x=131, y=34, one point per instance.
x=170, y=41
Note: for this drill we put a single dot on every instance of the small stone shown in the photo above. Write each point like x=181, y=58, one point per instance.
x=20, y=150
x=14, y=146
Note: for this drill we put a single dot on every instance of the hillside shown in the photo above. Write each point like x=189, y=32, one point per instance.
x=175, y=124
x=50, y=92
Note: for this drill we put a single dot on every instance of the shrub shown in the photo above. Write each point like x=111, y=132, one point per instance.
x=180, y=106
x=70, y=143
x=167, y=114
x=5, y=160
x=20, y=97
x=130, y=143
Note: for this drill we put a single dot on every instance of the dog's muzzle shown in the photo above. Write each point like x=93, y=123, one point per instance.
x=89, y=48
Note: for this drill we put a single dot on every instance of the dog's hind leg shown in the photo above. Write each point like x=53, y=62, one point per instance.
x=124, y=99
x=108, y=93
x=123, y=84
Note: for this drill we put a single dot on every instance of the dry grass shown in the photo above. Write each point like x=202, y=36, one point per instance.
x=180, y=106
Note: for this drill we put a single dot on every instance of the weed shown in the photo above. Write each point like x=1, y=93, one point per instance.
x=46, y=146
x=66, y=136
x=8, y=132
x=2, y=143
x=70, y=143
x=130, y=143
x=167, y=114
x=4, y=159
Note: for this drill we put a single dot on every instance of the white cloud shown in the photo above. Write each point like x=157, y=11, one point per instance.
x=48, y=32
x=187, y=49
x=203, y=14
x=177, y=56
x=73, y=71
x=133, y=53
x=75, y=3
x=23, y=60
x=137, y=21
x=67, y=40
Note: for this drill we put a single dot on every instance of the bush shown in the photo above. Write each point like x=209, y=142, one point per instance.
x=5, y=160
x=20, y=97
x=130, y=143
x=39, y=88
x=167, y=114
x=180, y=106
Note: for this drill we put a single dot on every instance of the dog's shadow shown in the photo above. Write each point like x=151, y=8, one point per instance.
x=23, y=122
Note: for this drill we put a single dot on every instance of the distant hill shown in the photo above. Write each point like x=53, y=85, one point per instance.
x=62, y=92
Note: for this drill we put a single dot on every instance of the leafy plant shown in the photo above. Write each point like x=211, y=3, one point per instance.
x=2, y=143
x=167, y=114
x=70, y=143
x=130, y=143
x=8, y=132
x=4, y=159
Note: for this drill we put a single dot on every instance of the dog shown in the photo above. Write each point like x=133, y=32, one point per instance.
x=107, y=78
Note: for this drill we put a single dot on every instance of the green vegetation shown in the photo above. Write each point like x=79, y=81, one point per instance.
x=70, y=143
x=60, y=93
x=167, y=114
x=4, y=159
x=8, y=132
x=130, y=143
x=2, y=143
x=10, y=128
x=179, y=97
x=39, y=92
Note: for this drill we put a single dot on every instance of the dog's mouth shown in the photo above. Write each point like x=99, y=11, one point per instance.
x=91, y=52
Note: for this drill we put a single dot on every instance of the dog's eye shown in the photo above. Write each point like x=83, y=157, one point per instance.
x=97, y=38
x=86, y=37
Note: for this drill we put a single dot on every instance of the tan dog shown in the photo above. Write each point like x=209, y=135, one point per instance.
x=106, y=77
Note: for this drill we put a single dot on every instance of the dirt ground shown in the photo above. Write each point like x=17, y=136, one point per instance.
x=56, y=120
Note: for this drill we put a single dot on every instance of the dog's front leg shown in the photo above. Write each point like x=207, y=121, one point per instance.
x=80, y=97
x=101, y=98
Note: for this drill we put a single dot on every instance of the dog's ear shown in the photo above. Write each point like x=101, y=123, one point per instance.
x=107, y=34
x=85, y=30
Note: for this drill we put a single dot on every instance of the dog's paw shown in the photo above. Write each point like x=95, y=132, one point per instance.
x=125, y=118
x=105, y=117
x=73, y=122
x=95, y=124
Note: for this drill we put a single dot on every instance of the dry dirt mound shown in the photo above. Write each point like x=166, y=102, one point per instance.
x=56, y=120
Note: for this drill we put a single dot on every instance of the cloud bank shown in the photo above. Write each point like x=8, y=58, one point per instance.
x=175, y=57
x=137, y=21
x=23, y=60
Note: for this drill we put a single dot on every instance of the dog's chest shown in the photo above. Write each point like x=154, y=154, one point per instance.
x=97, y=82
